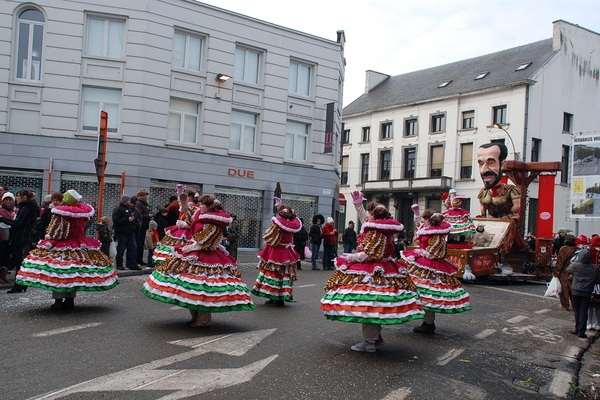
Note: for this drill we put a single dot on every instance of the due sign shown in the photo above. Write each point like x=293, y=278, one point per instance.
x=242, y=173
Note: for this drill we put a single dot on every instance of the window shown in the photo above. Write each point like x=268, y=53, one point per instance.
x=438, y=123
x=482, y=75
x=523, y=66
x=410, y=157
x=444, y=84
x=242, y=135
x=183, y=121
x=567, y=122
x=499, y=116
x=385, y=164
x=434, y=203
x=29, y=45
x=296, y=141
x=366, y=134
x=346, y=136
x=105, y=37
x=466, y=160
x=300, y=77
x=96, y=99
x=364, y=168
x=386, y=130
x=247, y=66
x=344, y=177
x=536, y=145
x=468, y=119
x=436, y=157
x=187, y=51
x=410, y=127
x=564, y=174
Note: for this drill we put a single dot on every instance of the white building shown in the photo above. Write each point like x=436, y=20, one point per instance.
x=154, y=65
x=411, y=137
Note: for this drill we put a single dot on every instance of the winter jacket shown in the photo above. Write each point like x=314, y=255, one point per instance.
x=585, y=275
x=329, y=235
x=144, y=210
x=23, y=223
x=121, y=221
x=315, y=234
x=349, y=236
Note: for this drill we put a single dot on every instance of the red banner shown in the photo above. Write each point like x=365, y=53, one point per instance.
x=545, y=217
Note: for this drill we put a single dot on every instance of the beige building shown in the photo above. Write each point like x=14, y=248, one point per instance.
x=411, y=137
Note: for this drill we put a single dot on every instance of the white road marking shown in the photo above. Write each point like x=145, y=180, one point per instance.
x=516, y=319
x=535, y=331
x=544, y=311
x=524, y=294
x=66, y=329
x=399, y=394
x=185, y=382
x=305, y=285
x=560, y=384
x=485, y=333
x=449, y=356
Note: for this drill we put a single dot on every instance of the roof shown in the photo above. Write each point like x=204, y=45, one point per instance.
x=423, y=85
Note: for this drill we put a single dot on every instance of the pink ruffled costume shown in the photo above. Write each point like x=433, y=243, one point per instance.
x=68, y=261
x=371, y=287
x=440, y=290
x=178, y=234
x=278, y=260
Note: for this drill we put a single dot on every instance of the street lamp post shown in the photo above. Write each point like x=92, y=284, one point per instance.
x=498, y=126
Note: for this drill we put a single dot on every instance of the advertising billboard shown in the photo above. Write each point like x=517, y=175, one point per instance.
x=585, y=177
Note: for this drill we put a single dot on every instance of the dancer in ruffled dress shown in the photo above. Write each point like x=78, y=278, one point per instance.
x=66, y=261
x=440, y=290
x=179, y=233
x=201, y=276
x=278, y=259
x=371, y=287
x=460, y=219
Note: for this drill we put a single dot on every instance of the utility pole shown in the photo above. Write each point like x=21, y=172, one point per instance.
x=100, y=161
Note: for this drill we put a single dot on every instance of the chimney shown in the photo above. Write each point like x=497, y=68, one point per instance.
x=373, y=80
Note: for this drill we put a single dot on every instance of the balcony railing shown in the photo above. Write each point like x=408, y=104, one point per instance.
x=438, y=183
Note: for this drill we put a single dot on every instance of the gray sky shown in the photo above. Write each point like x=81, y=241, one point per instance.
x=398, y=36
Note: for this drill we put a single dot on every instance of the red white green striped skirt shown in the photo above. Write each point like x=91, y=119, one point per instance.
x=67, y=270
x=371, y=298
x=440, y=292
x=275, y=281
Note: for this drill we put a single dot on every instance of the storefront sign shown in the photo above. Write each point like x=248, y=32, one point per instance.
x=242, y=173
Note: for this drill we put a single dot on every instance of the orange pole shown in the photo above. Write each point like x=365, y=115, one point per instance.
x=50, y=168
x=101, y=160
x=122, y=184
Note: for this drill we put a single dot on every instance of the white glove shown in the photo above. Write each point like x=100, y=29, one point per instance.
x=191, y=247
x=182, y=224
x=357, y=257
x=415, y=208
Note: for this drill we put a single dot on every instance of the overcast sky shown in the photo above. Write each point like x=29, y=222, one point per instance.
x=398, y=36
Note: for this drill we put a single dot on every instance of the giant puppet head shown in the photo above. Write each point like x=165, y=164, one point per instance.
x=491, y=157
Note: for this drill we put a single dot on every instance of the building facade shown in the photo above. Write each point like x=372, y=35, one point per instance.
x=411, y=137
x=224, y=103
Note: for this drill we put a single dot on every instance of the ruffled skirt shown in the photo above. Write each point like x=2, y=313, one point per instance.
x=174, y=237
x=200, y=280
x=277, y=272
x=372, y=293
x=440, y=290
x=69, y=266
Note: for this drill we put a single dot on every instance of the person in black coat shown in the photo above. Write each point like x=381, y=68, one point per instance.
x=21, y=228
x=161, y=222
x=300, y=240
x=315, y=235
x=349, y=238
x=125, y=230
x=585, y=276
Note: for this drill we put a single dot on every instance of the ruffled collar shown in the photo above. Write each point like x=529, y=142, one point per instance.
x=383, y=225
x=443, y=229
x=292, y=226
x=78, y=210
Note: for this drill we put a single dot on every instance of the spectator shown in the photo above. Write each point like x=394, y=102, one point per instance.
x=151, y=239
x=349, y=238
x=559, y=241
x=300, y=241
x=563, y=260
x=21, y=228
x=7, y=210
x=125, y=230
x=330, y=234
x=585, y=276
x=172, y=211
x=162, y=221
x=233, y=235
x=316, y=237
x=145, y=216
x=3, y=189
x=104, y=235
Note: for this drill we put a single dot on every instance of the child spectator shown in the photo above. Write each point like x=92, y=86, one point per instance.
x=151, y=239
x=104, y=235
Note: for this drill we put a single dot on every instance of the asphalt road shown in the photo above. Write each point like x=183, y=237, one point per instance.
x=514, y=344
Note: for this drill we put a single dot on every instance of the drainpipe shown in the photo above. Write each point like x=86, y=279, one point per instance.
x=526, y=125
